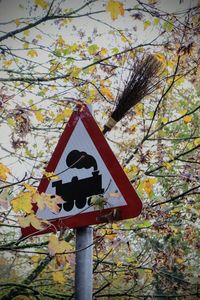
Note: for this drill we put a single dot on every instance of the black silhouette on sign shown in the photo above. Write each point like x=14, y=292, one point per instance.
x=77, y=191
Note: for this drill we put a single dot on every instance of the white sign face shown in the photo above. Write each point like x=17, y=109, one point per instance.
x=82, y=174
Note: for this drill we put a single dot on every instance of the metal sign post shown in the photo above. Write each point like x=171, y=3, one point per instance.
x=84, y=267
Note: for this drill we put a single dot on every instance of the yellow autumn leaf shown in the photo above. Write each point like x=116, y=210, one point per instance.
x=26, y=32
x=39, y=36
x=91, y=96
x=147, y=23
x=50, y=201
x=89, y=100
x=139, y=109
x=107, y=93
x=93, y=93
x=133, y=127
x=190, y=146
x=167, y=165
x=124, y=38
x=196, y=19
x=65, y=114
x=4, y=171
x=147, y=185
x=187, y=119
x=25, y=45
x=35, y=258
x=109, y=234
x=30, y=220
x=103, y=51
x=161, y=58
x=170, y=64
x=30, y=188
x=75, y=71
x=53, y=88
x=115, y=8
x=179, y=260
x=126, y=170
x=11, y=122
x=60, y=41
x=55, y=67
x=35, y=222
x=183, y=112
x=39, y=116
x=119, y=264
x=32, y=53
x=42, y=3
x=164, y=120
x=156, y=21
x=60, y=118
x=7, y=63
x=148, y=271
x=91, y=69
x=22, y=202
x=131, y=171
x=51, y=175
x=74, y=47
x=148, y=274
x=17, y=22
x=56, y=246
x=197, y=141
x=115, y=226
x=179, y=80
x=58, y=277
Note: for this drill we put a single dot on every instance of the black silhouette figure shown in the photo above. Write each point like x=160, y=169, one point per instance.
x=77, y=191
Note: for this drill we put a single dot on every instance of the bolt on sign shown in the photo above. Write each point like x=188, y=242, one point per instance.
x=91, y=182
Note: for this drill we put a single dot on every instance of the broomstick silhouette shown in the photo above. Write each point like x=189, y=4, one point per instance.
x=143, y=81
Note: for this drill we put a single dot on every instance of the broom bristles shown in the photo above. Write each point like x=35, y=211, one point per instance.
x=143, y=81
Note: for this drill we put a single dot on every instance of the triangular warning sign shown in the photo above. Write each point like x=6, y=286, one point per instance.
x=91, y=182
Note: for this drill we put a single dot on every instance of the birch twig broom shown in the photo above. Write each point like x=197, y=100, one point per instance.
x=143, y=81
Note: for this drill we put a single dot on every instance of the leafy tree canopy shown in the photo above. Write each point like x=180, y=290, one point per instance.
x=55, y=54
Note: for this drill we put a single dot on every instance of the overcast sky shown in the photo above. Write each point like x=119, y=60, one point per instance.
x=12, y=10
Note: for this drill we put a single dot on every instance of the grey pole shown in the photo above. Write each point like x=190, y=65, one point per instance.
x=83, y=267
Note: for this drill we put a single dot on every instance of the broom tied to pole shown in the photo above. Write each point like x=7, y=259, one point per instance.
x=143, y=80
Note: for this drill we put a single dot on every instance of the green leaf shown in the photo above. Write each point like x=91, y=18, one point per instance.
x=115, y=50
x=151, y=114
x=146, y=223
x=198, y=92
x=58, y=53
x=98, y=201
x=28, y=153
x=92, y=49
x=156, y=21
x=11, y=122
x=69, y=60
x=66, y=51
x=147, y=23
x=168, y=26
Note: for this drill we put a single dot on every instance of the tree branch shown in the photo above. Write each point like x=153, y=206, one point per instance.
x=46, y=18
x=175, y=197
x=33, y=275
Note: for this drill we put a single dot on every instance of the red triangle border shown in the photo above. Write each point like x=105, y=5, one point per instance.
x=134, y=205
